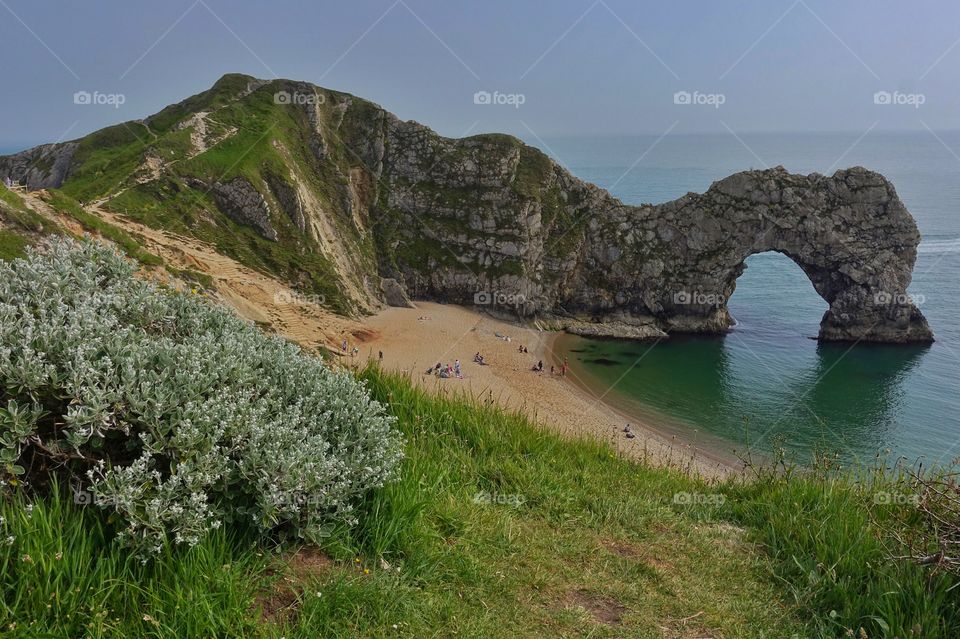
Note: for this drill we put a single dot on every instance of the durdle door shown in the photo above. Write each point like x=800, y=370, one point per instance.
x=386, y=211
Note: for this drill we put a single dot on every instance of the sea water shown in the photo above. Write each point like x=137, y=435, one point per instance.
x=768, y=384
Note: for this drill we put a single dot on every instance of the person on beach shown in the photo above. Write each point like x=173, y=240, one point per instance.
x=380, y=358
x=456, y=369
x=343, y=346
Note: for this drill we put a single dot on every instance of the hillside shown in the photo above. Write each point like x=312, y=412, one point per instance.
x=493, y=526
x=342, y=200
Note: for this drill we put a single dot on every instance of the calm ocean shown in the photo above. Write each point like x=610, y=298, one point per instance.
x=767, y=382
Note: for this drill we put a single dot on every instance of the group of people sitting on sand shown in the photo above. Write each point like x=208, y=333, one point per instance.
x=522, y=349
x=446, y=371
x=478, y=359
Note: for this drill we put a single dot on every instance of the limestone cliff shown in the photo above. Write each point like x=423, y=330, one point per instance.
x=378, y=209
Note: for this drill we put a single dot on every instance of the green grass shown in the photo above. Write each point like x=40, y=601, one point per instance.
x=12, y=245
x=94, y=224
x=15, y=212
x=825, y=535
x=583, y=543
x=20, y=225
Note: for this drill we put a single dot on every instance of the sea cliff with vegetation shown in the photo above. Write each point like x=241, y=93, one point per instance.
x=341, y=198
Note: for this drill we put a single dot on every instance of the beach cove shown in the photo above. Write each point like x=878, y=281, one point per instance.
x=414, y=340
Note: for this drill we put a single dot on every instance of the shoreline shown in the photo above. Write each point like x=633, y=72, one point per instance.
x=659, y=424
x=415, y=339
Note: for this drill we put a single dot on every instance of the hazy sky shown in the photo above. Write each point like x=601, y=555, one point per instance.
x=559, y=67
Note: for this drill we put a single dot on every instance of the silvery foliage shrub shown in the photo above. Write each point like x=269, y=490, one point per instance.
x=173, y=411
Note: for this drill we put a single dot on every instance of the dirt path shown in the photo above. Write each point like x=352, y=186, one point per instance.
x=255, y=296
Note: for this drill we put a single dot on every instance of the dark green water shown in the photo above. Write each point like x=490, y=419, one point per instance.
x=767, y=381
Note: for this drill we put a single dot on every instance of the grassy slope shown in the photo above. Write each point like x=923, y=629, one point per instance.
x=597, y=548
x=273, y=139
x=19, y=225
x=108, y=159
x=66, y=205
x=251, y=153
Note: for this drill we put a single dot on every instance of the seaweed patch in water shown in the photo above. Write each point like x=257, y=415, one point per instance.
x=603, y=361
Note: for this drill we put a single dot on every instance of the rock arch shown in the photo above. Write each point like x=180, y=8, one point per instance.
x=849, y=233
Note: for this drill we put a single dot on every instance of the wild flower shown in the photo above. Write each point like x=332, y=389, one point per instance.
x=175, y=413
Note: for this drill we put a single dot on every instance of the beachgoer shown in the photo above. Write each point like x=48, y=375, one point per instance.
x=456, y=368
x=343, y=346
x=381, y=357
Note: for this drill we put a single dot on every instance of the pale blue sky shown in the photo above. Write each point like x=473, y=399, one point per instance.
x=582, y=67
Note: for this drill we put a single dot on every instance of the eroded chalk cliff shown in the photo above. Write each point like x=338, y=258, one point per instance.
x=384, y=205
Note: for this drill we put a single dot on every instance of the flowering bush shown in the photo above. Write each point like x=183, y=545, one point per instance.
x=172, y=411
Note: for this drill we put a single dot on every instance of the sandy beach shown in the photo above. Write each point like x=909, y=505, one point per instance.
x=413, y=340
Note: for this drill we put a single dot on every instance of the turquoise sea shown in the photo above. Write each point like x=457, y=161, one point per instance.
x=767, y=382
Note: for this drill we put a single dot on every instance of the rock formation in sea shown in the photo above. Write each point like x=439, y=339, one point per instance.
x=390, y=211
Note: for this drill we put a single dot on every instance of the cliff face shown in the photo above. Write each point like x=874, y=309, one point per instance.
x=387, y=205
